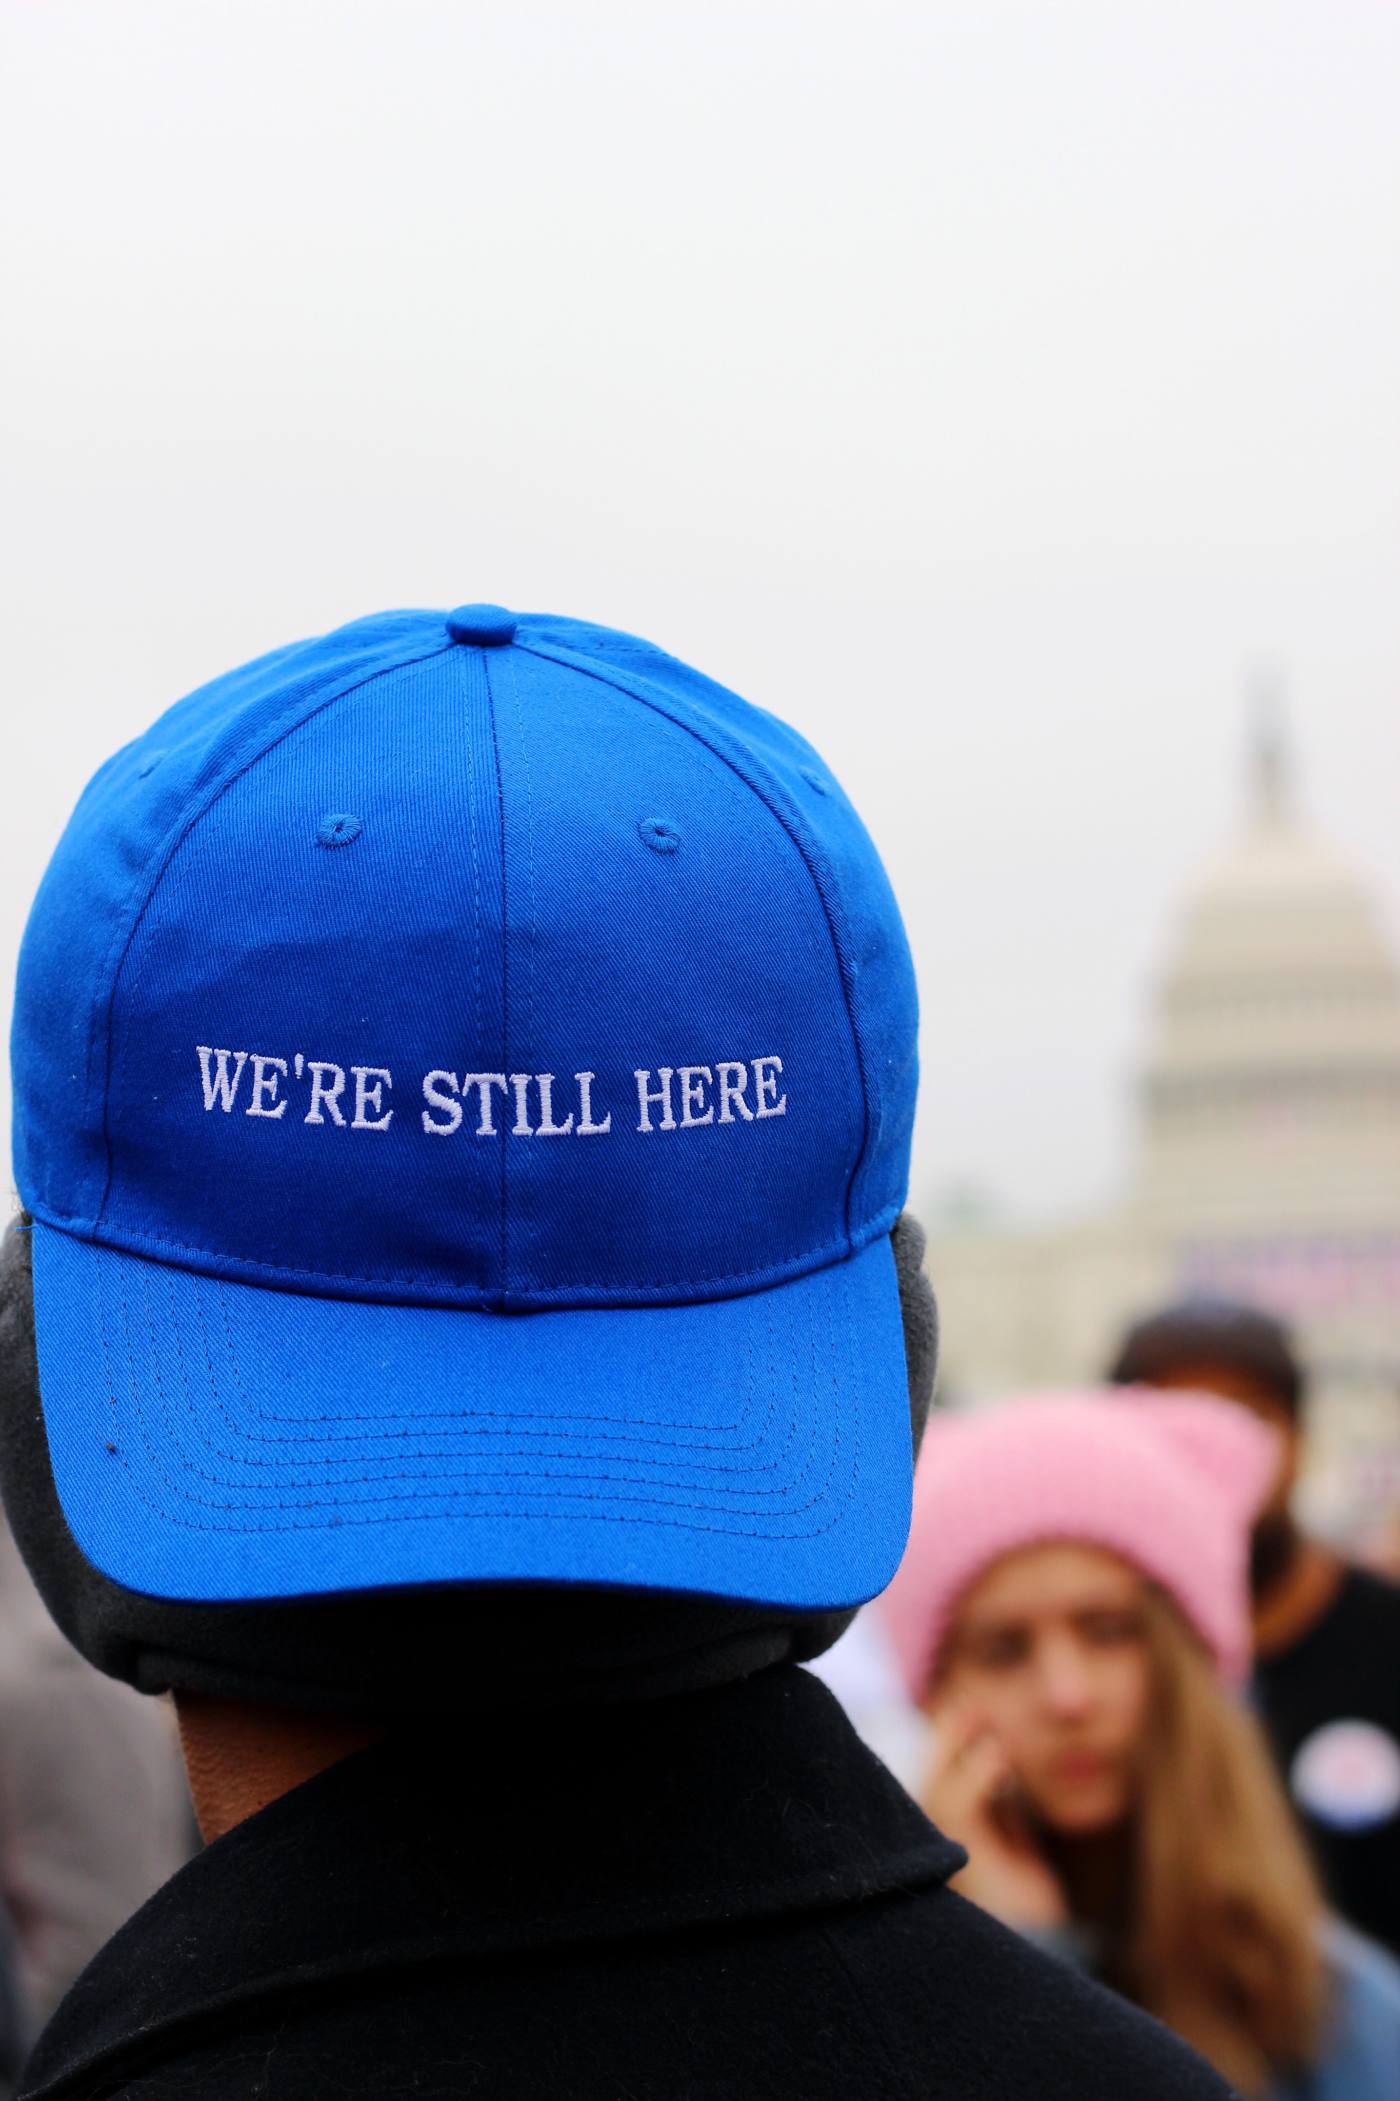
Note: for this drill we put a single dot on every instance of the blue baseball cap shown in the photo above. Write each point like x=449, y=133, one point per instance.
x=464, y=1071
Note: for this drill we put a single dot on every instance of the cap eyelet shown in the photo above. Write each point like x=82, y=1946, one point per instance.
x=661, y=837
x=338, y=829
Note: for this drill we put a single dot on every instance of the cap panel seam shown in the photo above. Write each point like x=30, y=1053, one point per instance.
x=114, y=965
x=500, y=1292
x=771, y=794
x=498, y=675
x=473, y=850
x=671, y=1290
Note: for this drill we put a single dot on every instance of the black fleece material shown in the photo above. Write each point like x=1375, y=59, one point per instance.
x=438, y=1650
x=707, y=1898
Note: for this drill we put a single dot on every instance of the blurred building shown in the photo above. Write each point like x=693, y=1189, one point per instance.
x=1267, y=1162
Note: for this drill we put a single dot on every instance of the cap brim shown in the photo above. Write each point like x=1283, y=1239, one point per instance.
x=218, y=1442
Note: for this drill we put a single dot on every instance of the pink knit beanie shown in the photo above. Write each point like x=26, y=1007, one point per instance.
x=1170, y=1482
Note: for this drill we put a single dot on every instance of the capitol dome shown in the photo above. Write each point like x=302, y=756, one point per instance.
x=1271, y=1091
x=1268, y=1162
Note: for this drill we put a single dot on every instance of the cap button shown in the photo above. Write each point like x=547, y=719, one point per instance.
x=487, y=626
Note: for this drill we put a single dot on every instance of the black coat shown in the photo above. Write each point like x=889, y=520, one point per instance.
x=718, y=1895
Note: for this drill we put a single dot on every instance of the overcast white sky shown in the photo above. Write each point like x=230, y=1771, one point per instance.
x=983, y=386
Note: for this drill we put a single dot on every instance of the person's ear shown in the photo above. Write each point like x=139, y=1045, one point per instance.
x=919, y=1311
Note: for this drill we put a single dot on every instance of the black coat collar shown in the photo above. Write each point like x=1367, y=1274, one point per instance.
x=483, y=1836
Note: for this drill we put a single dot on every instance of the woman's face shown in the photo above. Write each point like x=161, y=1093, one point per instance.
x=1049, y=1652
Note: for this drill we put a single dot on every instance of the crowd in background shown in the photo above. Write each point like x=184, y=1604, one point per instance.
x=1164, y=1721
x=94, y=1810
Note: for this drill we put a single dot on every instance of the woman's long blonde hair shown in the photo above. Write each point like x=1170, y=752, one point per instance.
x=1221, y=1939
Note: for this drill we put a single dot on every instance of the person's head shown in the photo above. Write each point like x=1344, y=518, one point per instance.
x=464, y=1072
x=1163, y=1485
x=1049, y=1646
x=1076, y=1577
x=1214, y=1345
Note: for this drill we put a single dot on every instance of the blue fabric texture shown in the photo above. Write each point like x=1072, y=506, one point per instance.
x=1360, y=2058
x=464, y=1078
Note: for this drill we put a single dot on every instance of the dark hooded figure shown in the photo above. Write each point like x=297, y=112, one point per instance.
x=1326, y=1633
x=463, y=1341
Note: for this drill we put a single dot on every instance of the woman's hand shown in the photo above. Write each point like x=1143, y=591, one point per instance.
x=969, y=1791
